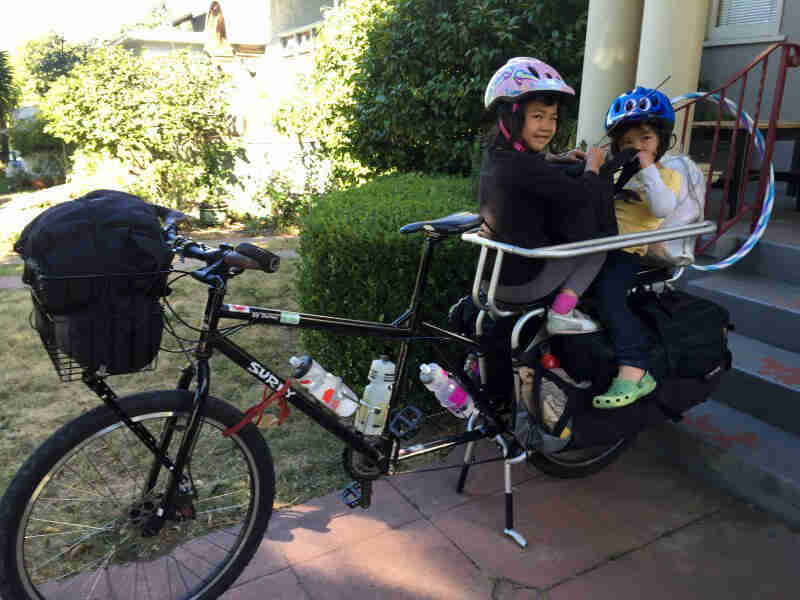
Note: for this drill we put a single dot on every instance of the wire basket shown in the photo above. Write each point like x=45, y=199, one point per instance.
x=103, y=324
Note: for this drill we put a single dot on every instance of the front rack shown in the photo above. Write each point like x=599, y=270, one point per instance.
x=572, y=249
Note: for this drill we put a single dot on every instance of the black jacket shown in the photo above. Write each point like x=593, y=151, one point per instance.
x=527, y=201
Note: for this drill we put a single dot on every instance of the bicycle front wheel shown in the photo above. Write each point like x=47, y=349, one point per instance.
x=72, y=520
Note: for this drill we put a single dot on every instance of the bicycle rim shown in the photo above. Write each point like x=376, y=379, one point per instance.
x=81, y=531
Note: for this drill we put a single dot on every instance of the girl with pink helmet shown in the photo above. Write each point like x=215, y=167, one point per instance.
x=527, y=200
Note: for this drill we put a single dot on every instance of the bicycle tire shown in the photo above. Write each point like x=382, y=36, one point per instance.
x=576, y=463
x=87, y=474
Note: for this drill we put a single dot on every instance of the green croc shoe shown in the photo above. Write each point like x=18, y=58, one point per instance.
x=624, y=392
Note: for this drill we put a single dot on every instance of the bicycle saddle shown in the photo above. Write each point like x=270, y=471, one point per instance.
x=457, y=223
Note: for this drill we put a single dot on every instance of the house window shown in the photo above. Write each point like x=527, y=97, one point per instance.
x=744, y=21
x=299, y=41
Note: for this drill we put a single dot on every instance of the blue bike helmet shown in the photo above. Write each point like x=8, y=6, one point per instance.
x=641, y=105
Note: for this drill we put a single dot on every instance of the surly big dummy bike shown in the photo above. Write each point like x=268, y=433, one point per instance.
x=167, y=494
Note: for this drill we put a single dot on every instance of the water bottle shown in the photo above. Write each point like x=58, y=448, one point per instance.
x=374, y=408
x=448, y=391
x=330, y=390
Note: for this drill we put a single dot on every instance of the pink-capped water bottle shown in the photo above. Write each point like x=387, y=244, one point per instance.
x=447, y=390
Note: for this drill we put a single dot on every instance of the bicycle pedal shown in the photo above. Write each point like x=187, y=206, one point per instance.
x=358, y=493
x=405, y=422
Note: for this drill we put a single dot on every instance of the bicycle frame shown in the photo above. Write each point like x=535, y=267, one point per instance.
x=384, y=452
x=407, y=326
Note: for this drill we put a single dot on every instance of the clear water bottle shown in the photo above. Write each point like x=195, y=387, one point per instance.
x=374, y=408
x=448, y=391
x=330, y=390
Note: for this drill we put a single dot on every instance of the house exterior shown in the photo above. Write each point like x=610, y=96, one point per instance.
x=684, y=45
x=263, y=45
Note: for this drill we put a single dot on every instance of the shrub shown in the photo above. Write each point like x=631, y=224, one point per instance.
x=44, y=154
x=313, y=113
x=156, y=117
x=355, y=263
x=399, y=84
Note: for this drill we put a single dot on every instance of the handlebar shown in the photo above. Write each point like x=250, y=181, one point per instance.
x=244, y=256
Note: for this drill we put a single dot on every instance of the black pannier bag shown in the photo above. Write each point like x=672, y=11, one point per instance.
x=689, y=355
x=97, y=266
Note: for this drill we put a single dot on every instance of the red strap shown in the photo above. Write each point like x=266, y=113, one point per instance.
x=257, y=411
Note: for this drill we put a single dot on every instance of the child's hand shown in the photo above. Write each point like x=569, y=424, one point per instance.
x=645, y=158
x=595, y=157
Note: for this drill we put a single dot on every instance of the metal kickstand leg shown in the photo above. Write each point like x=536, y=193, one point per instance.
x=509, y=530
x=462, y=478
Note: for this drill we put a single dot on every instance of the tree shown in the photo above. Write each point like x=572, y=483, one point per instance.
x=314, y=113
x=167, y=119
x=398, y=84
x=48, y=58
x=418, y=89
x=8, y=99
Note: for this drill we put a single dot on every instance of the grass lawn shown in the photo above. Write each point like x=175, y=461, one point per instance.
x=35, y=402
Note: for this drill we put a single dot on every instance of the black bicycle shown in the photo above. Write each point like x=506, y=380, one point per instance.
x=168, y=493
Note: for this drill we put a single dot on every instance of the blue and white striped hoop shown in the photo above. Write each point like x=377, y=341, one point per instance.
x=769, y=194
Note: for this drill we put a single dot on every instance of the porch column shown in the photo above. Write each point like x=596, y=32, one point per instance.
x=671, y=44
x=609, y=61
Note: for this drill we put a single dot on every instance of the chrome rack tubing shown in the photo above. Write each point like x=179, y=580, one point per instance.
x=476, y=283
x=598, y=244
x=498, y=265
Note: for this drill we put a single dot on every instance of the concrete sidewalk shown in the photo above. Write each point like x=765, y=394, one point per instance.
x=642, y=528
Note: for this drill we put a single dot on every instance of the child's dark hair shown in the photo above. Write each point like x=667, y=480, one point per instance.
x=662, y=130
x=513, y=120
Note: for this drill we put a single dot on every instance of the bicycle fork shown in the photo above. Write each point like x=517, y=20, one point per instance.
x=179, y=485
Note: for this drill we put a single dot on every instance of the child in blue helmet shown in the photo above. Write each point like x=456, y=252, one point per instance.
x=642, y=120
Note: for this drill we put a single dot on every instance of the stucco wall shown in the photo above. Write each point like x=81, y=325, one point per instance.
x=291, y=14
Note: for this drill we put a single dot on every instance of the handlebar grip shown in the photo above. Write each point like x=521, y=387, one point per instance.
x=264, y=259
x=236, y=259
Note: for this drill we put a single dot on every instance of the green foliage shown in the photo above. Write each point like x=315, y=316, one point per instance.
x=355, y=263
x=7, y=88
x=166, y=119
x=398, y=84
x=418, y=91
x=28, y=136
x=314, y=112
x=48, y=58
x=9, y=94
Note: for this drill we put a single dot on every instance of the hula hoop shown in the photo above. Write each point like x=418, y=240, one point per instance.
x=769, y=193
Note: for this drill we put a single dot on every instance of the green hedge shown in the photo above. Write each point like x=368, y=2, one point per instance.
x=355, y=263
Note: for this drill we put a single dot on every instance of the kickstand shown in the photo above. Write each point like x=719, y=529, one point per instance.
x=509, y=529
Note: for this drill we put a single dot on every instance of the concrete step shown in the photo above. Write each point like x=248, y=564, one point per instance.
x=744, y=455
x=764, y=383
x=773, y=260
x=761, y=308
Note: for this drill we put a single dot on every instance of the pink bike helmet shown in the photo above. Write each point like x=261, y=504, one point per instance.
x=520, y=76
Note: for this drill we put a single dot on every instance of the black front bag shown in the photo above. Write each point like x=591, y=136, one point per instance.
x=97, y=268
x=689, y=355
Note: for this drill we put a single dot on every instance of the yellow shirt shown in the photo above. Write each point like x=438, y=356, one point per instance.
x=634, y=216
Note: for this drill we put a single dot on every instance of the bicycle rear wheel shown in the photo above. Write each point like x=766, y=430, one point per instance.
x=573, y=463
x=71, y=522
